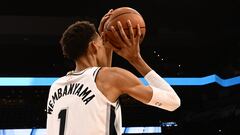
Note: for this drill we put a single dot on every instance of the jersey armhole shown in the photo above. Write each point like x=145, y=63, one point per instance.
x=95, y=73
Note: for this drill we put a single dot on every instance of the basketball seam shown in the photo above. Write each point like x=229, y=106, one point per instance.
x=126, y=29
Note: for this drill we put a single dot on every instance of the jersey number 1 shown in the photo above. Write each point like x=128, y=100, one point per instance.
x=62, y=117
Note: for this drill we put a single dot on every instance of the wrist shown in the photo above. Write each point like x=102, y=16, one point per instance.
x=141, y=66
x=135, y=59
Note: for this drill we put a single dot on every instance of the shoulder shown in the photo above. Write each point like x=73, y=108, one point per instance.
x=118, y=77
x=115, y=81
x=115, y=72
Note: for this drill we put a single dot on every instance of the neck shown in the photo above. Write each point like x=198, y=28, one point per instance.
x=91, y=61
x=85, y=62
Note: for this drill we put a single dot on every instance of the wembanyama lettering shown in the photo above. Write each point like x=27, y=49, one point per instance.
x=72, y=89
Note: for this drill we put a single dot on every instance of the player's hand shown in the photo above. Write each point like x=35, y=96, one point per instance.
x=103, y=21
x=128, y=48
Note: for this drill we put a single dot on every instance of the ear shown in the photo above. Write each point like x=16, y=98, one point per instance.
x=93, y=47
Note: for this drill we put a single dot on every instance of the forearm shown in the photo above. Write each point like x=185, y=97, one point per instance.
x=150, y=75
x=163, y=95
x=157, y=81
x=140, y=65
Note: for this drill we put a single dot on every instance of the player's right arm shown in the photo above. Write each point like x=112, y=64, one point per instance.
x=117, y=81
x=159, y=93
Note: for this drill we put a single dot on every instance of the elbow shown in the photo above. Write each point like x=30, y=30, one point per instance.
x=178, y=103
x=175, y=105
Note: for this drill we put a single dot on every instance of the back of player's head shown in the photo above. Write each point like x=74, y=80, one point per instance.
x=76, y=38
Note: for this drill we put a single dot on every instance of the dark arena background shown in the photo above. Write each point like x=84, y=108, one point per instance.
x=193, y=44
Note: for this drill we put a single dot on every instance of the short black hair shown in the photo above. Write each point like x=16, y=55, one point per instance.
x=76, y=38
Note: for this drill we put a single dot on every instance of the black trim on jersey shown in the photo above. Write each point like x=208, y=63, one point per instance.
x=95, y=73
x=112, y=129
x=118, y=104
x=77, y=73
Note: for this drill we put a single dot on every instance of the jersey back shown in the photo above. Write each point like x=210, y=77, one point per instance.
x=76, y=106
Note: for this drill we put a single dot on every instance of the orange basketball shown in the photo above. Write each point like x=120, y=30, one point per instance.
x=123, y=14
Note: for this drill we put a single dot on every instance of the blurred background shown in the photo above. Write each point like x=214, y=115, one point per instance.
x=183, y=39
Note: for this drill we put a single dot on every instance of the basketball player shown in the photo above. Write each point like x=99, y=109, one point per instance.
x=85, y=101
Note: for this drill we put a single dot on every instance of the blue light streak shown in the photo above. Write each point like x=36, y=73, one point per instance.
x=174, y=81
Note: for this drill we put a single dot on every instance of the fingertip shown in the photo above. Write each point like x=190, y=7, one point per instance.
x=129, y=23
x=139, y=30
x=109, y=12
x=112, y=28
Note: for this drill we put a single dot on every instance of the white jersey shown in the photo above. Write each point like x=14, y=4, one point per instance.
x=77, y=107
